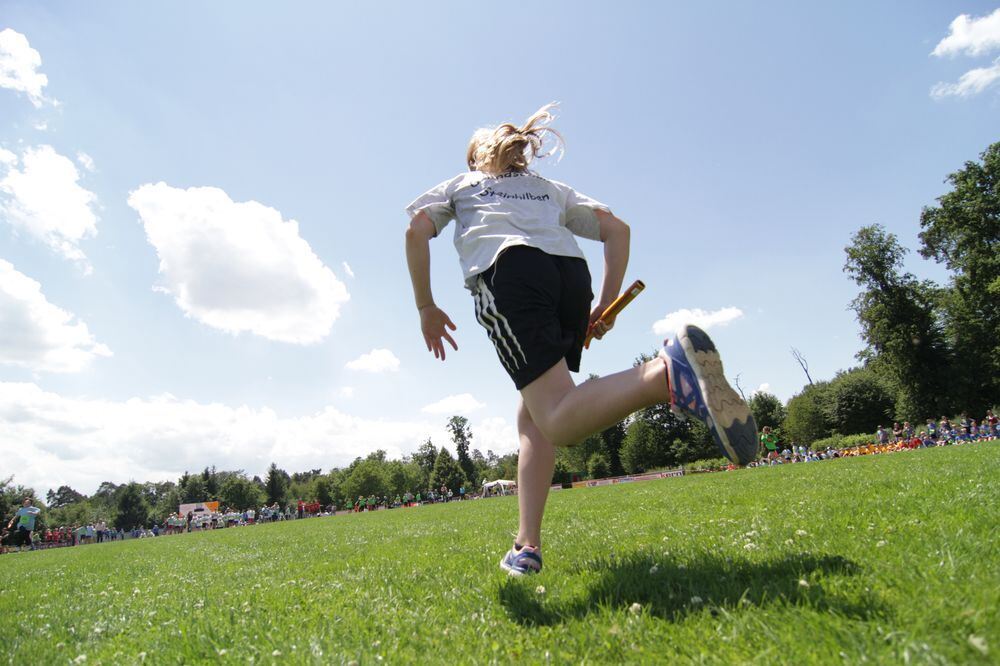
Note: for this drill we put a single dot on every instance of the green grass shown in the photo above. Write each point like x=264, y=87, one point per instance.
x=885, y=558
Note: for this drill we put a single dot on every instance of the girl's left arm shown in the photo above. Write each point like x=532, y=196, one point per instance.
x=615, y=235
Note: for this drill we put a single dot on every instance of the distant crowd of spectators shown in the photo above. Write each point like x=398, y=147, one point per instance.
x=429, y=496
x=898, y=438
x=24, y=536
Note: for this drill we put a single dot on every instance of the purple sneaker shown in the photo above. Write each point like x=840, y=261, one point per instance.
x=698, y=388
x=526, y=560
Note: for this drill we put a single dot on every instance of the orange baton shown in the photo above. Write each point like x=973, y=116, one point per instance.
x=616, y=307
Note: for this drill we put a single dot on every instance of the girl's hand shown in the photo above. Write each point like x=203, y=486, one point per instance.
x=434, y=324
x=597, y=327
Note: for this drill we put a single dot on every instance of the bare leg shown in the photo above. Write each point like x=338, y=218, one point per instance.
x=566, y=414
x=535, y=463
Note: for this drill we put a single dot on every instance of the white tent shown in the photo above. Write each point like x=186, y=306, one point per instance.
x=500, y=485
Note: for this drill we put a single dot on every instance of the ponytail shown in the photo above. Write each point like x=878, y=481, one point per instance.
x=509, y=148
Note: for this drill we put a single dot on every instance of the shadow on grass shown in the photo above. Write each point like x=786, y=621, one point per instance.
x=671, y=590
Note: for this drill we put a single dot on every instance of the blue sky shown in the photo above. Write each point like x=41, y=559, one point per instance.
x=154, y=328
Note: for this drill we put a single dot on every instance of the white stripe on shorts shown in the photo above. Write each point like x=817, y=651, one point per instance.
x=486, y=310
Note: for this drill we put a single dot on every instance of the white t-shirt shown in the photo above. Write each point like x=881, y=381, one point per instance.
x=493, y=213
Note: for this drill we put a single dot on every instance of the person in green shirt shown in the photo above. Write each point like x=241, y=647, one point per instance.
x=768, y=442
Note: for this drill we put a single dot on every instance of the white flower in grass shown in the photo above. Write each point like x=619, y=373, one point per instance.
x=635, y=608
x=80, y=659
x=979, y=643
x=696, y=600
x=801, y=533
x=653, y=569
x=540, y=589
x=803, y=582
x=222, y=652
x=882, y=543
x=750, y=546
x=276, y=653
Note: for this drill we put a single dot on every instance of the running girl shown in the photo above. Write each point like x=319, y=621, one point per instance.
x=531, y=289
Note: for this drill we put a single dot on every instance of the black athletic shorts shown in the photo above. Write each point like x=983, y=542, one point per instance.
x=535, y=307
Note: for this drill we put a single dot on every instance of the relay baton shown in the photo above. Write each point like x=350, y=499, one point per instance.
x=616, y=307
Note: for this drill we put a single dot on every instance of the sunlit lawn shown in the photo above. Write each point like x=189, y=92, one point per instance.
x=888, y=558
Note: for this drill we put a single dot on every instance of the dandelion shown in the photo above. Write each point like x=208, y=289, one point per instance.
x=635, y=608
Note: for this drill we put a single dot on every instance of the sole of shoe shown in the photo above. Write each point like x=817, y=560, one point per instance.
x=731, y=421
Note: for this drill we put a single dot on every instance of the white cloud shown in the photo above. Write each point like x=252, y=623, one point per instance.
x=763, y=388
x=495, y=434
x=971, y=36
x=85, y=160
x=41, y=125
x=346, y=392
x=704, y=318
x=238, y=266
x=44, y=200
x=347, y=269
x=463, y=403
x=37, y=335
x=19, y=64
x=50, y=440
x=971, y=83
x=377, y=360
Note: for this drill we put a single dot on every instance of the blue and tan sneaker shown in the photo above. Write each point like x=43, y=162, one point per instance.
x=521, y=561
x=699, y=388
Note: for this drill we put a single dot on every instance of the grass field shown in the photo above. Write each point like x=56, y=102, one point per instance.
x=884, y=558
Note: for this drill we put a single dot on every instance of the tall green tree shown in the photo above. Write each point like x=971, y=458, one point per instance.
x=276, y=485
x=63, y=496
x=598, y=466
x=425, y=456
x=767, y=410
x=963, y=233
x=367, y=478
x=132, y=510
x=642, y=449
x=806, y=417
x=240, y=493
x=858, y=401
x=461, y=435
x=211, y=483
x=903, y=335
x=447, y=472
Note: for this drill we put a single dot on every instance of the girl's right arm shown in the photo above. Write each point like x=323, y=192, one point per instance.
x=434, y=323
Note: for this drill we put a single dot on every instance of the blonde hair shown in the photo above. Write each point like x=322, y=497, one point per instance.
x=497, y=150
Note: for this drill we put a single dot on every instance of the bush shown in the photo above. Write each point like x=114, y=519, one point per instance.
x=857, y=440
x=706, y=464
x=838, y=441
x=598, y=466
